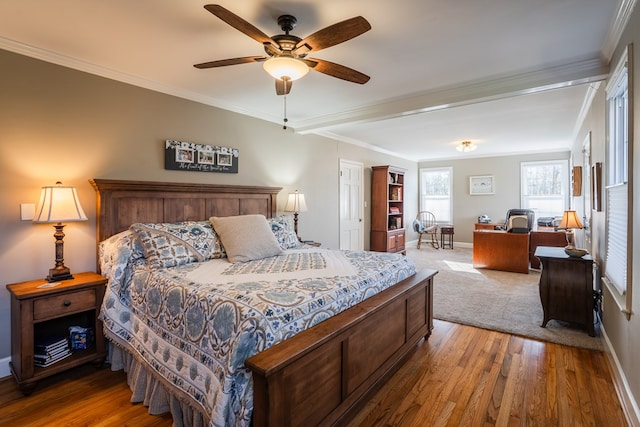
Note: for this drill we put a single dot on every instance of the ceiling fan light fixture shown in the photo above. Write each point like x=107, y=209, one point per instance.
x=466, y=146
x=285, y=66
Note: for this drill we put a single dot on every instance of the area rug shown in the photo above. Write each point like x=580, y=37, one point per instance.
x=496, y=300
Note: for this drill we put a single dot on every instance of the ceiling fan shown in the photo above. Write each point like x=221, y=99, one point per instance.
x=286, y=58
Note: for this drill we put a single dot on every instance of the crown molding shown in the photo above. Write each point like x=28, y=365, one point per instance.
x=585, y=71
x=620, y=21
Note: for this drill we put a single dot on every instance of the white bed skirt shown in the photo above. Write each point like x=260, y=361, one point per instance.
x=151, y=391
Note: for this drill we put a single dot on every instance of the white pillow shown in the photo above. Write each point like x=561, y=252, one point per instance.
x=246, y=237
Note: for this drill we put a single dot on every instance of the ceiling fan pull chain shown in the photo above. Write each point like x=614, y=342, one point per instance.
x=284, y=126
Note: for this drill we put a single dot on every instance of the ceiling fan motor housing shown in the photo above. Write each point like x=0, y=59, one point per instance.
x=287, y=22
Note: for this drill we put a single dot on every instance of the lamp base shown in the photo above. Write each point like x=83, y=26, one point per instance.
x=57, y=274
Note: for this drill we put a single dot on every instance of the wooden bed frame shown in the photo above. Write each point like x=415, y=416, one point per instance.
x=320, y=376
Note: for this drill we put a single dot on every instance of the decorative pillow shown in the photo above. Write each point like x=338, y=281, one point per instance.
x=171, y=244
x=282, y=227
x=246, y=237
x=119, y=255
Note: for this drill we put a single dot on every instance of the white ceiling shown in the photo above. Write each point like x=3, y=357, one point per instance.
x=512, y=76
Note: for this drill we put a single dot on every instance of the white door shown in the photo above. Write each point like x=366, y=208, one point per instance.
x=351, y=205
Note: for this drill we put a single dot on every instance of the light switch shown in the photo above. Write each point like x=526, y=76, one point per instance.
x=27, y=211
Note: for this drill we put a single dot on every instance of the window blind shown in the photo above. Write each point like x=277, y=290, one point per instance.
x=616, y=261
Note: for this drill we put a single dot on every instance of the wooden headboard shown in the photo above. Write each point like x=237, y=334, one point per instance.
x=122, y=203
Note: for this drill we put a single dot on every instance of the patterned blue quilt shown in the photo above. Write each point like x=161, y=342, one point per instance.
x=195, y=324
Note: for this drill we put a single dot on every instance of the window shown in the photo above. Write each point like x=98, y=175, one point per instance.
x=435, y=193
x=545, y=187
x=618, y=226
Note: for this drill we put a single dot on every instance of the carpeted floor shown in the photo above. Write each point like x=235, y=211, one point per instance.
x=497, y=300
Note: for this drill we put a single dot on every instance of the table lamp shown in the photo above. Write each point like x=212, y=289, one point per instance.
x=296, y=204
x=570, y=221
x=59, y=204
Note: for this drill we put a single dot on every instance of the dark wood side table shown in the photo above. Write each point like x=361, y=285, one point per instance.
x=41, y=309
x=446, y=236
x=566, y=287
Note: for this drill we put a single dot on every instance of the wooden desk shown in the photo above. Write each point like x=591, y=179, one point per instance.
x=487, y=225
x=544, y=236
x=566, y=287
x=499, y=250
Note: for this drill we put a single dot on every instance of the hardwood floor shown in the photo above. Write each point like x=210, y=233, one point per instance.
x=462, y=376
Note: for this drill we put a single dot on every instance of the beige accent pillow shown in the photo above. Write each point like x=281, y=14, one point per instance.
x=246, y=237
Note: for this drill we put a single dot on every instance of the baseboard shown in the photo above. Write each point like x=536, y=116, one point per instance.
x=5, y=371
x=627, y=400
x=414, y=243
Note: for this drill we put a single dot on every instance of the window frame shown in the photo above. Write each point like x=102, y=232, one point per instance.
x=564, y=182
x=449, y=170
x=619, y=161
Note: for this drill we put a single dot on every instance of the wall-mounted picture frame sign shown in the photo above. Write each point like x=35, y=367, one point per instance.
x=576, y=178
x=481, y=185
x=189, y=156
x=596, y=187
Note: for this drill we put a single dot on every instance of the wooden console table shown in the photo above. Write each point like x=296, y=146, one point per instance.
x=499, y=250
x=566, y=287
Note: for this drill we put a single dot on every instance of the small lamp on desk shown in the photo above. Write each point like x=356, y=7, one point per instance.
x=59, y=204
x=296, y=204
x=570, y=221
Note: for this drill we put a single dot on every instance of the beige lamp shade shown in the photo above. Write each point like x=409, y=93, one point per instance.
x=570, y=220
x=296, y=203
x=59, y=204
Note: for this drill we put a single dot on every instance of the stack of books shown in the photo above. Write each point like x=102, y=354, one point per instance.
x=51, y=350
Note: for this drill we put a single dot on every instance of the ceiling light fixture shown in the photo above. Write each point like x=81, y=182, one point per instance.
x=283, y=66
x=466, y=146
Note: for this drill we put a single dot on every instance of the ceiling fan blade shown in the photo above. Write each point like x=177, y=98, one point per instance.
x=240, y=24
x=283, y=87
x=337, y=70
x=333, y=35
x=231, y=61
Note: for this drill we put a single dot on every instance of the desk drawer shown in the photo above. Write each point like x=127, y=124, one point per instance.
x=64, y=303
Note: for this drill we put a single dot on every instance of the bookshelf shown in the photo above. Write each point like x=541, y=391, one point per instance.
x=387, y=209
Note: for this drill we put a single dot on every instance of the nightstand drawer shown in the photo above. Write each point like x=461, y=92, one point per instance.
x=65, y=303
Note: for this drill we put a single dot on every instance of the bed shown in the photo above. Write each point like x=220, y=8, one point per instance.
x=316, y=371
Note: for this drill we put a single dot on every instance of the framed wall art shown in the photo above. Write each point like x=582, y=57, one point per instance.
x=481, y=185
x=189, y=156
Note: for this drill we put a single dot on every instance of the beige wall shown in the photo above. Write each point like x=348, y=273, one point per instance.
x=623, y=334
x=506, y=173
x=61, y=124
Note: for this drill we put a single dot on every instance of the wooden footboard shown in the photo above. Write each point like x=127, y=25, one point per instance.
x=319, y=376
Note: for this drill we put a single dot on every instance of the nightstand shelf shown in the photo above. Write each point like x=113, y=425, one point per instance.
x=43, y=309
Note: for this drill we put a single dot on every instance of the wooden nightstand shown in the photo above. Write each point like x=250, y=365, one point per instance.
x=40, y=309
